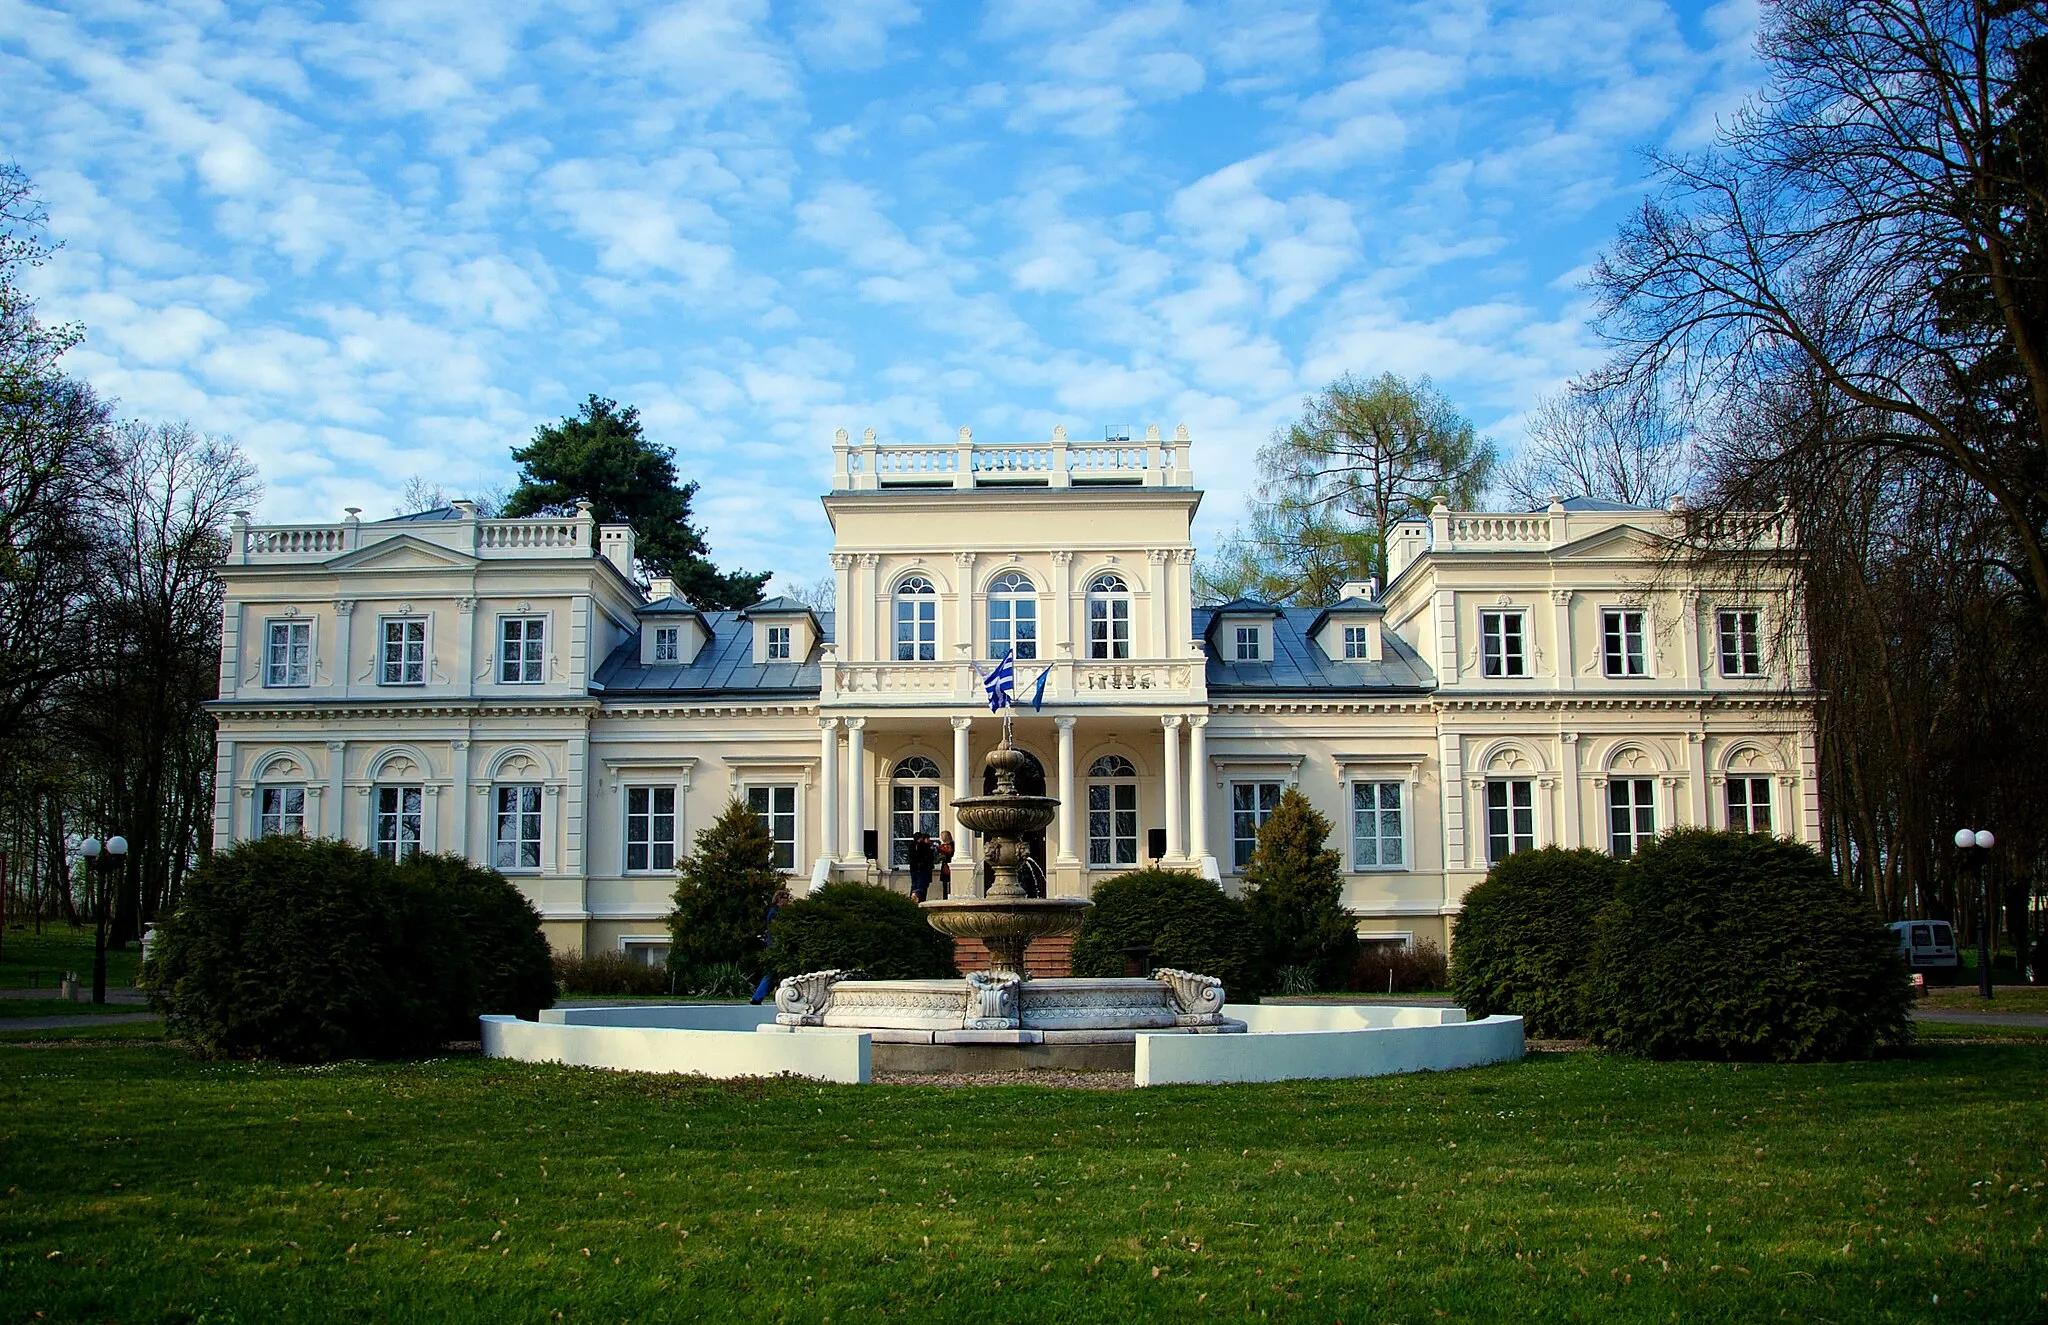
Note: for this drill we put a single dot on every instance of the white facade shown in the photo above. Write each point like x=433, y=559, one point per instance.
x=502, y=689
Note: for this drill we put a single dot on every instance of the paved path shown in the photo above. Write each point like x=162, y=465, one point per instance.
x=1955, y=1018
x=48, y=992
x=73, y=1023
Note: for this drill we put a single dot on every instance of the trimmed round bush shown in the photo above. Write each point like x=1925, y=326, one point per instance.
x=509, y=970
x=1743, y=946
x=1522, y=943
x=310, y=950
x=1189, y=923
x=857, y=927
x=306, y=950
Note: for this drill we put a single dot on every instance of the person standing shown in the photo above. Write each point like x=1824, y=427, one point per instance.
x=946, y=849
x=923, y=855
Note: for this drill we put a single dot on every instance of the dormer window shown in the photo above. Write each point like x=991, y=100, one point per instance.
x=668, y=644
x=1012, y=616
x=1248, y=644
x=778, y=644
x=917, y=620
x=1109, y=617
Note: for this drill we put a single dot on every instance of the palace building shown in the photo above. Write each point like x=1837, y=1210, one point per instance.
x=506, y=690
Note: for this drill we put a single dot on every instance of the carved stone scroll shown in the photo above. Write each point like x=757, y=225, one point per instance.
x=1197, y=998
x=800, y=999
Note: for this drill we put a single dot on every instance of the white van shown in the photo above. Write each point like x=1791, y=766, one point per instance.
x=1929, y=946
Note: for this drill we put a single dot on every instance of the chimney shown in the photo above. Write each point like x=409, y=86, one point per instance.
x=615, y=544
x=660, y=588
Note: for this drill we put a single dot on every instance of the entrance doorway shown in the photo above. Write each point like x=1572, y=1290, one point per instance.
x=1030, y=782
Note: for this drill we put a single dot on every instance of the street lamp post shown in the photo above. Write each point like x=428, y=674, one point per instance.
x=101, y=860
x=1974, y=845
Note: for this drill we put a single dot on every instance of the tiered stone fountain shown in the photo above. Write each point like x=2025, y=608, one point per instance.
x=1001, y=1017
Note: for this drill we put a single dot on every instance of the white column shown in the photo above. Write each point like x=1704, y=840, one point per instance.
x=964, y=561
x=1696, y=752
x=856, y=770
x=458, y=810
x=828, y=788
x=966, y=880
x=1162, y=600
x=1561, y=632
x=1066, y=792
x=1198, y=785
x=1171, y=722
x=1063, y=604
x=845, y=607
x=337, y=808
x=344, y=622
x=1573, y=817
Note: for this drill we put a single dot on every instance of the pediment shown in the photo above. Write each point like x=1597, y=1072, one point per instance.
x=1620, y=541
x=403, y=552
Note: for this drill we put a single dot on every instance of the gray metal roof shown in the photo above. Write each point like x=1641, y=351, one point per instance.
x=1600, y=504
x=783, y=605
x=1300, y=667
x=725, y=666
x=415, y=517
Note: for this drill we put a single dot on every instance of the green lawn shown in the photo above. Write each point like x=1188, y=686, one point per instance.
x=140, y=1184
x=57, y=949
x=50, y=1007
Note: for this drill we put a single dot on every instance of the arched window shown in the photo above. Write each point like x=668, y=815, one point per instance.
x=1012, y=615
x=1109, y=617
x=1112, y=812
x=917, y=620
x=913, y=806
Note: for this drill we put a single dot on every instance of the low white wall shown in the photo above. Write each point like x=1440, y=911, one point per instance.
x=1337, y=1016
x=667, y=1016
x=1297, y=1055
x=720, y=1053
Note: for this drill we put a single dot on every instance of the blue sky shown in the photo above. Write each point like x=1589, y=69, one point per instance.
x=389, y=239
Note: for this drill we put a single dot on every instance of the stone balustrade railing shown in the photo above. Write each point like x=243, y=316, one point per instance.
x=535, y=537
x=869, y=465
x=1072, y=680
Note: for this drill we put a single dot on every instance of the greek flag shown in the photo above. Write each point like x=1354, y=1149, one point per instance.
x=1001, y=683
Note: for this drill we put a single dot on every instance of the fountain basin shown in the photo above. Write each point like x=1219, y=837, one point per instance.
x=1006, y=917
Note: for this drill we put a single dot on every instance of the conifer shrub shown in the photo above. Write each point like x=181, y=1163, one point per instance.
x=506, y=967
x=1293, y=891
x=307, y=950
x=1743, y=946
x=724, y=888
x=1188, y=922
x=849, y=926
x=1522, y=944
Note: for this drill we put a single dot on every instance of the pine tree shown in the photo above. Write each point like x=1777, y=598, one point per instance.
x=1293, y=891
x=723, y=891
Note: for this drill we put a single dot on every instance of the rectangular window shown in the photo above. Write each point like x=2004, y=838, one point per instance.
x=515, y=838
x=1354, y=642
x=1621, y=635
x=522, y=649
x=1510, y=818
x=650, y=828
x=1112, y=824
x=396, y=833
x=1247, y=643
x=917, y=628
x=1631, y=815
x=288, y=660
x=1501, y=652
x=668, y=644
x=1741, y=650
x=403, y=653
x=281, y=812
x=1251, y=804
x=1376, y=842
x=1012, y=625
x=778, y=644
x=1109, y=626
x=1749, y=805
x=913, y=809
x=776, y=809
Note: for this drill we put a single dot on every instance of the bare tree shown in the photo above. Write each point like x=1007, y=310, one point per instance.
x=820, y=595
x=1875, y=218
x=1614, y=440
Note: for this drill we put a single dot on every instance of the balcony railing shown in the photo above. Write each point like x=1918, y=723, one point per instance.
x=870, y=465
x=534, y=537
